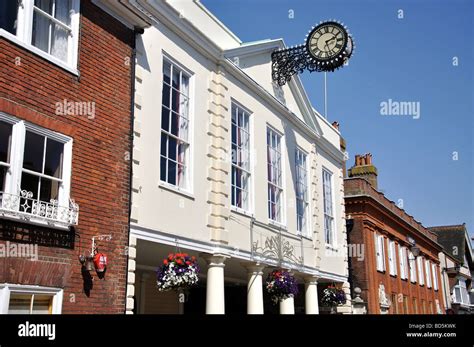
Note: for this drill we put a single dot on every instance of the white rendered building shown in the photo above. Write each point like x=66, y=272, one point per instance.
x=229, y=167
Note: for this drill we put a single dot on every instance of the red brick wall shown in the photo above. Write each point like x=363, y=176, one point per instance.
x=100, y=167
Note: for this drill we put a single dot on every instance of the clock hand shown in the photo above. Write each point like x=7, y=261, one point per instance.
x=330, y=39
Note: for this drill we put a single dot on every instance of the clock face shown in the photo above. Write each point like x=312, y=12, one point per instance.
x=327, y=41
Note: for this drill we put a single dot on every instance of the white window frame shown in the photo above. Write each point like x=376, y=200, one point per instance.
x=428, y=273
x=420, y=265
x=392, y=259
x=306, y=229
x=332, y=217
x=23, y=36
x=189, y=177
x=434, y=269
x=249, y=171
x=279, y=188
x=464, y=295
x=402, y=253
x=7, y=289
x=412, y=266
x=13, y=178
x=380, y=252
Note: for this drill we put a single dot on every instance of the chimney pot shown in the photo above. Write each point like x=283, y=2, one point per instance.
x=364, y=168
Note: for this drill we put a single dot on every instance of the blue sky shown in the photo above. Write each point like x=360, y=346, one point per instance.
x=409, y=59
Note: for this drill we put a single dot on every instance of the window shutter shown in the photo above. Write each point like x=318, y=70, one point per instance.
x=435, y=276
x=421, y=279
x=379, y=250
x=403, y=262
x=428, y=273
x=392, y=258
x=405, y=257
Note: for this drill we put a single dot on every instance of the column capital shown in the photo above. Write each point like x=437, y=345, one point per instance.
x=215, y=260
x=254, y=267
x=311, y=279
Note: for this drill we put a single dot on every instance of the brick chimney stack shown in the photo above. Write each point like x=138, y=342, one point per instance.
x=364, y=168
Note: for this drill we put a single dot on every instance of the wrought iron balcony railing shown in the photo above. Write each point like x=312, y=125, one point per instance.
x=24, y=207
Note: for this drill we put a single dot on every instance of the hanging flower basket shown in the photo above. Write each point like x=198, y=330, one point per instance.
x=281, y=285
x=178, y=271
x=333, y=296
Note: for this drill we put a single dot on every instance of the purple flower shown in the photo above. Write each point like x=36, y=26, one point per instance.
x=281, y=284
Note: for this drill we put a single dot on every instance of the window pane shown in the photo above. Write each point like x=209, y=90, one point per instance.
x=3, y=175
x=45, y=5
x=172, y=148
x=163, y=169
x=185, y=85
x=172, y=166
x=175, y=101
x=166, y=95
x=457, y=294
x=8, y=16
x=63, y=11
x=183, y=128
x=165, y=119
x=49, y=190
x=54, y=158
x=34, y=148
x=166, y=72
x=175, y=120
x=176, y=83
x=59, y=44
x=5, y=141
x=42, y=304
x=164, y=145
x=59, y=9
x=41, y=31
x=30, y=183
x=19, y=304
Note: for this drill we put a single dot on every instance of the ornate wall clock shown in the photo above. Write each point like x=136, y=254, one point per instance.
x=328, y=47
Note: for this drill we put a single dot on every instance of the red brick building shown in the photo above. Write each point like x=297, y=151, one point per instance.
x=399, y=272
x=66, y=77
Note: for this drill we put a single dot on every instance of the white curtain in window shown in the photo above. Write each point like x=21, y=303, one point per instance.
x=60, y=37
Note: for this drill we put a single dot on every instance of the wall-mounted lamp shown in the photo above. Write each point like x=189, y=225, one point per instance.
x=415, y=250
x=349, y=224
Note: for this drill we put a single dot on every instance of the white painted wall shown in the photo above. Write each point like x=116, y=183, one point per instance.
x=186, y=214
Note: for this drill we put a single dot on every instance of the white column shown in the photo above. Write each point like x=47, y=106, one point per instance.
x=287, y=306
x=254, y=288
x=215, y=303
x=311, y=295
